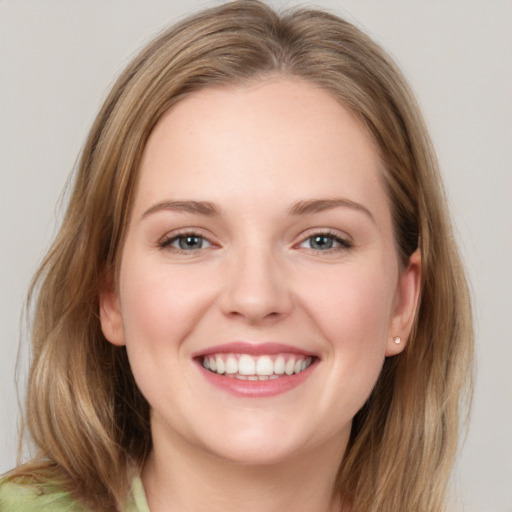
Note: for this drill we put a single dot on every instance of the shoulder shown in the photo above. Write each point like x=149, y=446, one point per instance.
x=25, y=497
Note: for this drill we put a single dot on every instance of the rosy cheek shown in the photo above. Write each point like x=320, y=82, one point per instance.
x=349, y=308
x=162, y=302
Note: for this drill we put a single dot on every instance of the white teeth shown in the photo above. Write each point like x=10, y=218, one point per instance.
x=289, y=366
x=279, y=365
x=220, y=365
x=246, y=367
x=231, y=365
x=264, y=366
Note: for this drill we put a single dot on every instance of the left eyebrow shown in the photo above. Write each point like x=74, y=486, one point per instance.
x=320, y=205
x=197, y=207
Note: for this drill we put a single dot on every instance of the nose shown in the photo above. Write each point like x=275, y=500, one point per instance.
x=256, y=288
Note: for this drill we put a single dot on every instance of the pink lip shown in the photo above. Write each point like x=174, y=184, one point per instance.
x=257, y=388
x=252, y=349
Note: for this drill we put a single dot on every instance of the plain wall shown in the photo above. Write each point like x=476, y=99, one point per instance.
x=59, y=57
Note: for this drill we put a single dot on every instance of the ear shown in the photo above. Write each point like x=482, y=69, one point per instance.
x=110, y=313
x=406, y=303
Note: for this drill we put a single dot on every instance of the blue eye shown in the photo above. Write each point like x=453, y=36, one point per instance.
x=325, y=242
x=186, y=242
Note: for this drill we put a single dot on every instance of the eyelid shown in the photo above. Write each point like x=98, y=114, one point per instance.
x=166, y=240
x=346, y=242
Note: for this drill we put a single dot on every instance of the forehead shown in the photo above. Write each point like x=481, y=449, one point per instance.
x=275, y=138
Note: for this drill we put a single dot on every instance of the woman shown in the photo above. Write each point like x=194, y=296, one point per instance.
x=255, y=299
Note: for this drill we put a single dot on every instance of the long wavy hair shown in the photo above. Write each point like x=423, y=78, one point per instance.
x=84, y=411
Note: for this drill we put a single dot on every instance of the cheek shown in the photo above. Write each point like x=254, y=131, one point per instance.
x=354, y=305
x=161, y=304
x=353, y=313
x=160, y=307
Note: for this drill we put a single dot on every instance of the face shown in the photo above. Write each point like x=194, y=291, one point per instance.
x=259, y=288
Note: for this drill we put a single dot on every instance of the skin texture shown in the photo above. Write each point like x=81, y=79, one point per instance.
x=254, y=152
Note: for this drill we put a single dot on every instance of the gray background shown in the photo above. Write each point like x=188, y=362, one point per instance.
x=58, y=58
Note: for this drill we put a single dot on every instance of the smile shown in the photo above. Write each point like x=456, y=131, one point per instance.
x=256, y=370
x=263, y=367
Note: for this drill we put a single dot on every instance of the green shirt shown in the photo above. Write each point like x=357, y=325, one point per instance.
x=20, y=498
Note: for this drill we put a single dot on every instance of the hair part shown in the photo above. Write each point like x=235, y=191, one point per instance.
x=84, y=410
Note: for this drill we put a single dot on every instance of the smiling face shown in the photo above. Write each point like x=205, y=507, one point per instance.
x=259, y=286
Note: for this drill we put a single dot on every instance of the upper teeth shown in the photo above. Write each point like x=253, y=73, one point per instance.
x=244, y=366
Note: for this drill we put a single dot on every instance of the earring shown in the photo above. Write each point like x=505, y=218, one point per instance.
x=397, y=340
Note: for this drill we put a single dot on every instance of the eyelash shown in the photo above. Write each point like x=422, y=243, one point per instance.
x=166, y=242
x=343, y=243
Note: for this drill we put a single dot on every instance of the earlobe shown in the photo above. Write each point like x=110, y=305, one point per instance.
x=110, y=314
x=406, y=303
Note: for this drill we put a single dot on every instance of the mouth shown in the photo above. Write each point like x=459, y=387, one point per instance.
x=263, y=367
x=256, y=370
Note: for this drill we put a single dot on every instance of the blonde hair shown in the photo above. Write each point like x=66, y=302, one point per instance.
x=84, y=410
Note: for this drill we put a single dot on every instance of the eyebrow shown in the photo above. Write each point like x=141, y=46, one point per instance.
x=197, y=207
x=320, y=205
x=304, y=207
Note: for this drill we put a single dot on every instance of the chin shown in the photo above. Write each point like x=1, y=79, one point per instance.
x=260, y=444
x=256, y=453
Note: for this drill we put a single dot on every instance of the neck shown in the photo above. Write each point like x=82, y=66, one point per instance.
x=178, y=476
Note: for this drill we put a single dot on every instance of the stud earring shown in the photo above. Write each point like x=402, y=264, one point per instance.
x=397, y=340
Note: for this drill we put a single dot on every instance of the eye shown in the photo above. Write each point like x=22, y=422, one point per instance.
x=186, y=242
x=325, y=242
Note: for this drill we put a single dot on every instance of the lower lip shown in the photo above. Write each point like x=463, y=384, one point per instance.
x=258, y=388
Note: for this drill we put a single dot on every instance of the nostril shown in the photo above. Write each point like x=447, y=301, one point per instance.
x=253, y=315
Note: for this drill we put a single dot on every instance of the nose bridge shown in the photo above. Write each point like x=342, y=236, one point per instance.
x=256, y=286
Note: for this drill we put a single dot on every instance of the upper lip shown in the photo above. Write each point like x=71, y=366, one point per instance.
x=253, y=349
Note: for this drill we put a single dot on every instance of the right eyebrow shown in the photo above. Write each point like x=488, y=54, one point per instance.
x=320, y=205
x=197, y=207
